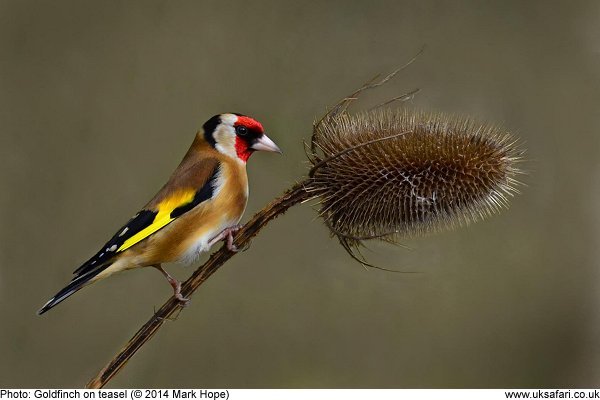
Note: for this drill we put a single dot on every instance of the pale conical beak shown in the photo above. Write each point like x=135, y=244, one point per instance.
x=265, y=144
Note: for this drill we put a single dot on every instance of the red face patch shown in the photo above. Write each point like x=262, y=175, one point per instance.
x=249, y=123
x=241, y=148
x=243, y=140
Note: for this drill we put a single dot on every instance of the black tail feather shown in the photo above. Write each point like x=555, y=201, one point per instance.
x=77, y=283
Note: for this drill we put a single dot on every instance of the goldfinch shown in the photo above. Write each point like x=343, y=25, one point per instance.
x=200, y=205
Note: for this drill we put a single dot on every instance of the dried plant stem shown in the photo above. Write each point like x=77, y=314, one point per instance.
x=293, y=196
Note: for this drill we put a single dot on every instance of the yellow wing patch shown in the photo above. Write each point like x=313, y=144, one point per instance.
x=163, y=217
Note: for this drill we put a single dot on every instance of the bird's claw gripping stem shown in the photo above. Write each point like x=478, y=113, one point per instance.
x=227, y=236
x=175, y=284
x=177, y=293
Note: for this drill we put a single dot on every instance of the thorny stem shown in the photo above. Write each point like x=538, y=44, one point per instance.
x=296, y=194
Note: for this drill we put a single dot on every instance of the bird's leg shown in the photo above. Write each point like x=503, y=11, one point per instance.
x=175, y=284
x=227, y=235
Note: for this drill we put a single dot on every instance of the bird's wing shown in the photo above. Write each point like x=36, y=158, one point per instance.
x=190, y=185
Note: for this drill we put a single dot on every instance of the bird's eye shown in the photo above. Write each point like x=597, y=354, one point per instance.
x=241, y=130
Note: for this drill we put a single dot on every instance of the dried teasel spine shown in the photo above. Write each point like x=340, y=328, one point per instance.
x=390, y=174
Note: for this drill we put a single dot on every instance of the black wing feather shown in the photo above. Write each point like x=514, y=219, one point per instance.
x=140, y=221
x=145, y=218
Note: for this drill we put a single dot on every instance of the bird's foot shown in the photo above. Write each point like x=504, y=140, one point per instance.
x=177, y=293
x=182, y=300
x=227, y=236
x=229, y=233
x=175, y=284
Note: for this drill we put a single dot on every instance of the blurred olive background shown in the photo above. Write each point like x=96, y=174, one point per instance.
x=100, y=100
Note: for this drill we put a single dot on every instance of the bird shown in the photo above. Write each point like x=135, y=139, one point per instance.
x=200, y=205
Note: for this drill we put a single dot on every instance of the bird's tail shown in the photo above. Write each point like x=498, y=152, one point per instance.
x=77, y=283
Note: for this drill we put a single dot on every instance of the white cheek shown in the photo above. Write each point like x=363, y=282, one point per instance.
x=225, y=138
x=228, y=150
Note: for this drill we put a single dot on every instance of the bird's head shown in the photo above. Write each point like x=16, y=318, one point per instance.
x=237, y=136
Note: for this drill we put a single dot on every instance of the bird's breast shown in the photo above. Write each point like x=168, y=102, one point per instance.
x=223, y=210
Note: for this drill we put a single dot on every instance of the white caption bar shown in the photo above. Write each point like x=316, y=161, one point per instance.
x=299, y=394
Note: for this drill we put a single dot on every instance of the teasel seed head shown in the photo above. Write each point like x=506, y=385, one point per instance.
x=391, y=174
